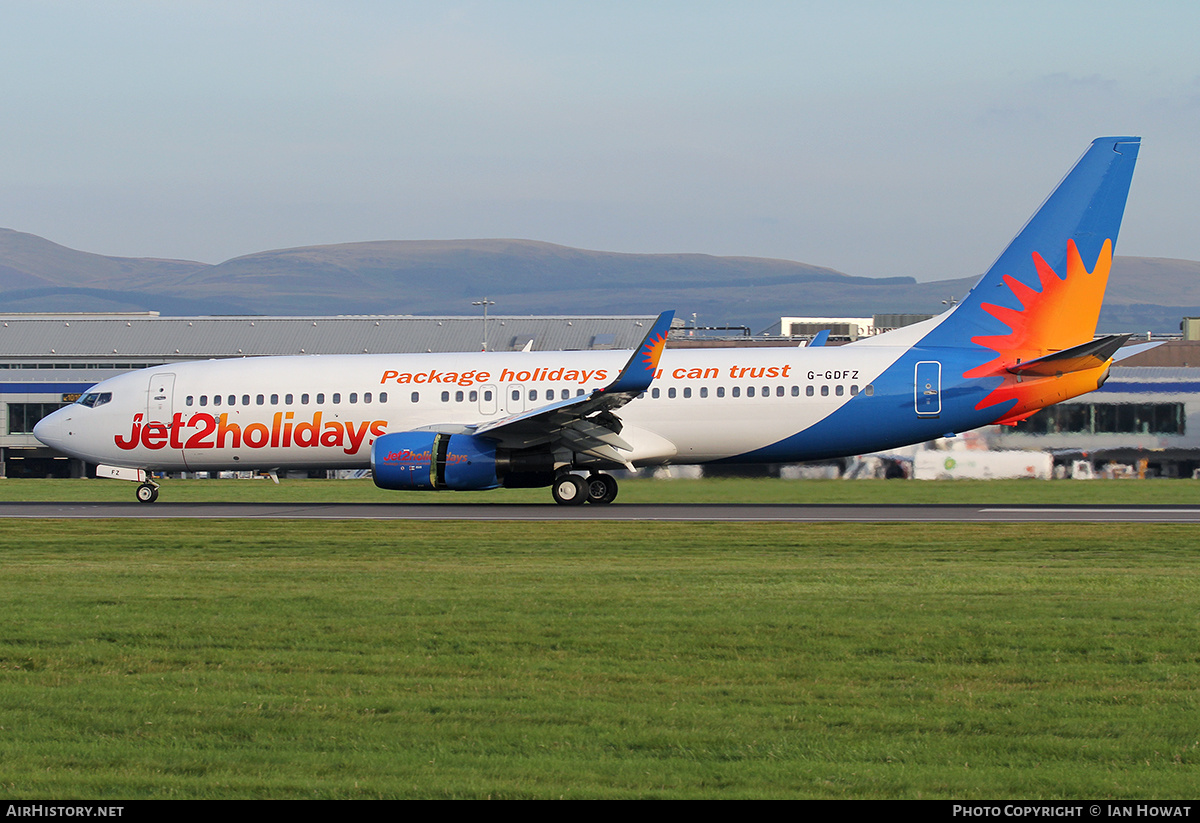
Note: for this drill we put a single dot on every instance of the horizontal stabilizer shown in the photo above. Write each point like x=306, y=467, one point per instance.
x=1137, y=348
x=1078, y=358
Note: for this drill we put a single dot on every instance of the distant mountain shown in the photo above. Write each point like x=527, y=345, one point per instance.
x=523, y=277
x=37, y=275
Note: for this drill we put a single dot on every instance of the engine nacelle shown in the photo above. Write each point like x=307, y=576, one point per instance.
x=426, y=460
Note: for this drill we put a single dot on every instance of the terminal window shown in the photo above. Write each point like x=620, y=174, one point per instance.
x=23, y=416
x=1107, y=418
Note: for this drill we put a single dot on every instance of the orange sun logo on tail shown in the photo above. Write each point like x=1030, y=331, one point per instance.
x=1063, y=314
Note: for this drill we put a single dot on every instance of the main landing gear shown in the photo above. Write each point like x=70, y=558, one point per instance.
x=573, y=490
x=147, y=492
x=602, y=488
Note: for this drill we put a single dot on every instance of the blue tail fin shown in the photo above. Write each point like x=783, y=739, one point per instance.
x=1043, y=294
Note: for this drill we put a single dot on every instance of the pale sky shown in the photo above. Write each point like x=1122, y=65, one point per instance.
x=874, y=138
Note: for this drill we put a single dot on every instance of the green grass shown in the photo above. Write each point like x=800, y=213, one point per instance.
x=1040, y=492
x=383, y=659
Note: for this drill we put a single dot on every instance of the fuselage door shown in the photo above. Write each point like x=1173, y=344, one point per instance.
x=514, y=398
x=160, y=399
x=487, y=400
x=928, y=389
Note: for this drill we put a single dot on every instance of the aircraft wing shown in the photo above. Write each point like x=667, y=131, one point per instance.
x=585, y=423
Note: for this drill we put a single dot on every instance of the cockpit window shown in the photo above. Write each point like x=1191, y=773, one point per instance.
x=93, y=399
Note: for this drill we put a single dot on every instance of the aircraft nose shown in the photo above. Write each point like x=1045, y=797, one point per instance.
x=49, y=429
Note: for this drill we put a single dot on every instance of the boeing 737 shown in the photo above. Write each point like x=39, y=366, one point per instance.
x=1022, y=339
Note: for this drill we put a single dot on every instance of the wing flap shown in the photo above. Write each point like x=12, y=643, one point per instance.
x=587, y=434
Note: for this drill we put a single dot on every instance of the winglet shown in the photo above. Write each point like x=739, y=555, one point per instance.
x=819, y=339
x=639, y=371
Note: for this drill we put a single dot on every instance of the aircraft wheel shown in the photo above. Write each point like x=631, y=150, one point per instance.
x=602, y=488
x=147, y=493
x=569, y=490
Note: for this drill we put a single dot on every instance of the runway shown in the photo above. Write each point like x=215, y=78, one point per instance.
x=786, y=513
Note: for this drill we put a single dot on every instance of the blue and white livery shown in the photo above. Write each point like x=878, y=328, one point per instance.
x=1022, y=339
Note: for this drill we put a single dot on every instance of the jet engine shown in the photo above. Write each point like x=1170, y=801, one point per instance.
x=408, y=461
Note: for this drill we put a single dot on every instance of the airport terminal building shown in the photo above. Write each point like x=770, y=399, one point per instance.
x=48, y=360
x=1148, y=410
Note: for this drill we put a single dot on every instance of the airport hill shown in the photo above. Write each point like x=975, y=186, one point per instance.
x=523, y=277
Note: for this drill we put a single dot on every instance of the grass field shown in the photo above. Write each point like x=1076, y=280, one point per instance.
x=242, y=659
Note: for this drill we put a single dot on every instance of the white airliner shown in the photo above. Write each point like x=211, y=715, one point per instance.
x=1022, y=339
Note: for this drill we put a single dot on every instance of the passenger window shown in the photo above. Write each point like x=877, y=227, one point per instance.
x=259, y=400
x=188, y=402
x=671, y=392
x=274, y=400
x=839, y=390
x=216, y=399
x=720, y=391
x=245, y=400
x=516, y=395
x=779, y=391
x=383, y=397
x=687, y=392
x=204, y=400
x=337, y=397
x=416, y=396
x=749, y=391
x=654, y=394
x=233, y=399
x=458, y=397
x=737, y=391
x=366, y=397
x=549, y=394
x=704, y=391
x=445, y=397
x=304, y=399
x=795, y=391
x=853, y=390
x=473, y=396
x=870, y=390
x=824, y=391
x=353, y=397
x=808, y=391
x=487, y=396
x=320, y=397
x=287, y=399
x=533, y=394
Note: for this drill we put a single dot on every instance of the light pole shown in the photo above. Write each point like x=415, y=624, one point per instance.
x=485, y=303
